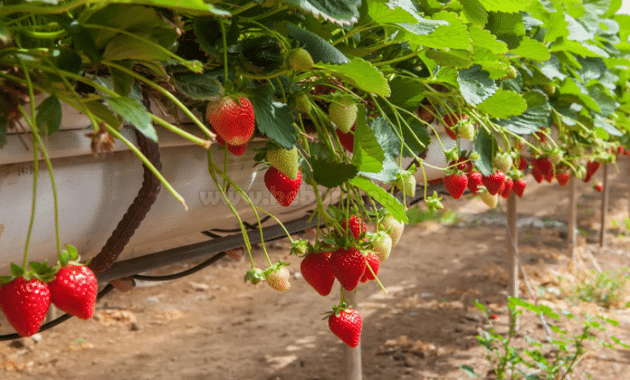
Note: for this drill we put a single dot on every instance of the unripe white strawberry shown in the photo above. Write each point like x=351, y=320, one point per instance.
x=343, y=112
x=382, y=245
x=407, y=185
x=393, y=227
x=286, y=161
x=502, y=162
x=466, y=131
x=279, y=279
x=489, y=199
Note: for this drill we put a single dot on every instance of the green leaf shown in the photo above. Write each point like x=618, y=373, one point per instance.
x=198, y=86
x=16, y=270
x=474, y=12
x=340, y=12
x=82, y=38
x=49, y=115
x=274, y=119
x=452, y=36
x=331, y=173
x=551, y=68
x=103, y=113
x=600, y=122
x=570, y=86
x=368, y=154
x=383, y=14
x=503, y=104
x=66, y=60
x=507, y=6
x=124, y=47
x=387, y=174
x=453, y=58
x=122, y=80
x=319, y=49
x=134, y=113
x=406, y=92
x=530, y=48
x=607, y=104
x=536, y=116
x=475, y=85
x=486, y=147
x=469, y=371
x=580, y=48
x=557, y=27
x=483, y=38
x=363, y=75
x=391, y=203
x=387, y=139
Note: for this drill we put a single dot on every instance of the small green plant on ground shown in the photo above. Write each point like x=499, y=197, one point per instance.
x=622, y=229
x=608, y=288
x=535, y=360
x=418, y=215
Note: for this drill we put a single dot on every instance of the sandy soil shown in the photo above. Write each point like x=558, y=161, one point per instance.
x=211, y=325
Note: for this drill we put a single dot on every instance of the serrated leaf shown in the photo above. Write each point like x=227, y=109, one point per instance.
x=198, y=86
x=557, y=27
x=66, y=60
x=607, y=104
x=368, y=154
x=363, y=75
x=474, y=12
x=123, y=47
x=134, y=113
x=600, y=122
x=383, y=14
x=386, y=137
x=570, y=86
x=49, y=115
x=486, y=147
x=319, y=49
x=391, y=203
x=580, y=48
x=551, y=68
x=454, y=58
x=536, y=116
x=530, y=48
x=468, y=370
x=453, y=36
x=406, y=92
x=475, y=85
x=340, y=12
x=483, y=38
x=122, y=81
x=387, y=174
x=331, y=173
x=103, y=113
x=503, y=104
x=507, y=6
x=274, y=119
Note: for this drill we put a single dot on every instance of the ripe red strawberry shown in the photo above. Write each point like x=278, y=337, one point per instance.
x=450, y=123
x=456, y=184
x=237, y=150
x=278, y=278
x=494, y=316
x=538, y=176
x=74, y=291
x=463, y=164
x=474, y=181
x=591, y=168
x=285, y=160
x=545, y=166
x=24, y=304
x=393, y=227
x=283, y=188
x=374, y=263
x=234, y=254
x=619, y=150
x=507, y=188
x=541, y=136
x=522, y=163
x=347, y=139
x=549, y=177
x=450, y=133
x=233, y=120
x=519, y=187
x=348, y=265
x=425, y=113
x=343, y=112
x=563, y=176
x=346, y=324
x=494, y=182
x=382, y=245
x=599, y=187
x=317, y=272
x=355, y=225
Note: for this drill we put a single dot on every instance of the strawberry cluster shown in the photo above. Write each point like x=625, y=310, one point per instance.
x=26, y=295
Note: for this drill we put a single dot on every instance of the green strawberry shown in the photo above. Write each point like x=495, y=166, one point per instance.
x=301, y=59
x=511, y=73
x=502, y=162
x=382, y=245
x=466, y=131
x=407, y=184
x=392, y=227
x=302, y=103
x=286, y=161
x=489, y=199
x=343, y=112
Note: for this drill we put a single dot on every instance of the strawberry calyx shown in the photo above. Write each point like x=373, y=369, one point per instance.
x=274, y=268
x=254, y=276
x=301, y=248
x=337, y=309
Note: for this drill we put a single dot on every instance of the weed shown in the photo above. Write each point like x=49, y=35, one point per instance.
x=418, y=215
x=608, y=288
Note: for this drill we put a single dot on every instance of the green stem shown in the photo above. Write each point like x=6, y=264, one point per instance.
x=181, y=132
x=225, y=55
x=114, y=132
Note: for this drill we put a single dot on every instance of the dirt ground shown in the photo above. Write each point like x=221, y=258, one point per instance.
x=212, y=326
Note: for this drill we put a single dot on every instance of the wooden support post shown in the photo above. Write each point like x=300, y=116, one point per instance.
x=513, y=288
x=572, y=225
x=604, y=213
x=352, y=356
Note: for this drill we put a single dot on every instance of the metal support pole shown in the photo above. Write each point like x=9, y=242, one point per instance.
x=572, y=225
x=352, y=356
x=513, y=288
x=604, y=213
